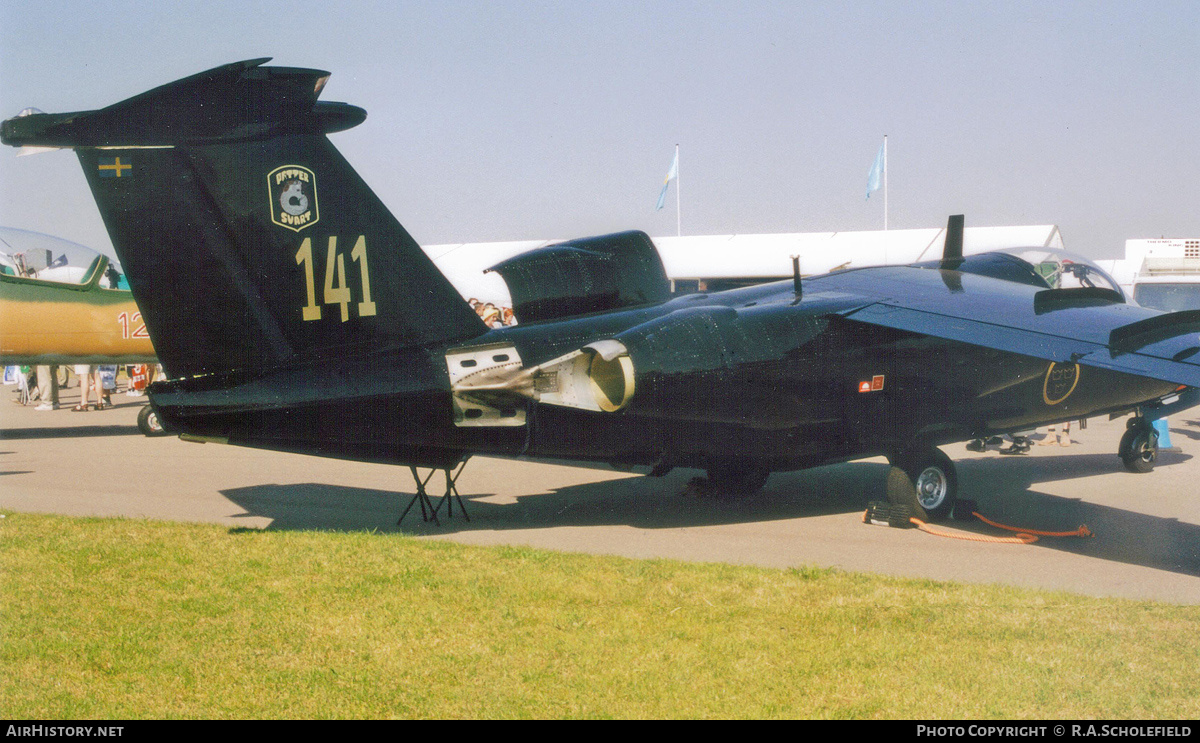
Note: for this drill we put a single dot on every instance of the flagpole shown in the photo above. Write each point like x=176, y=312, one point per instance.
x=885, y=179
x=678, y=216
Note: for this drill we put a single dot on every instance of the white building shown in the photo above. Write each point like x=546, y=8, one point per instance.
x=1161, y=273
x=724, y=261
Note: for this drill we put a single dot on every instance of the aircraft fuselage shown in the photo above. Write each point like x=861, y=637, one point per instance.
x=45, y=322
x=831, y=391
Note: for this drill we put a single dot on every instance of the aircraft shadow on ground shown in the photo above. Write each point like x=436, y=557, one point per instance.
x=1192, y=431
x=643, y=502
x=1003, y=488
x=69, y=432
x=1006, y=494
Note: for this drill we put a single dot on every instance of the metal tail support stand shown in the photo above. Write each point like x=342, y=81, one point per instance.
x=428, y=511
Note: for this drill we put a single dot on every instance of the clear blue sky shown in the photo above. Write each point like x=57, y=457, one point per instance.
x=525, y=120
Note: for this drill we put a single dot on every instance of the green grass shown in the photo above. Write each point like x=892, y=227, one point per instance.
x=128, y=619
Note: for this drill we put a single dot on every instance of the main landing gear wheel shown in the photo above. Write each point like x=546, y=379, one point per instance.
x=734, y=480
x=927, y=482
x=148, y=422
x=1139, y=447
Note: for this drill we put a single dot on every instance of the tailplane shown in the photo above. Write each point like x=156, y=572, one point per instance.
x=248, y=240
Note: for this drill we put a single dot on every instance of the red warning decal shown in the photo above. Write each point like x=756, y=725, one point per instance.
x=875, y=385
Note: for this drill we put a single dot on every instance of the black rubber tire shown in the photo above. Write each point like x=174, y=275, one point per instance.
x=148, y=422
x=736, y=481
x=934, y=481
x=1139, y=449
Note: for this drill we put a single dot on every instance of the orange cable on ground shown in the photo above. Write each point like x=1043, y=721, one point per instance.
x=1082, y=531
x=1020, y=538
x=1023, y=536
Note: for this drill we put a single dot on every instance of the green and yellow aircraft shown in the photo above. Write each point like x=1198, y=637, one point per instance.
x=62, y=303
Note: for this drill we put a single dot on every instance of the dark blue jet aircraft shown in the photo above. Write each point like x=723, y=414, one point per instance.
x=293, y=312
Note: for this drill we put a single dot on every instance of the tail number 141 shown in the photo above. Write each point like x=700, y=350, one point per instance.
x=337, y=289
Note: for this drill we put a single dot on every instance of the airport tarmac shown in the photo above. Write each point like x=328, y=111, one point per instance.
x=1147, y=527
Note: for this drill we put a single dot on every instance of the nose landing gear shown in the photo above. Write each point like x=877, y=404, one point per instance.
x=1139, y=446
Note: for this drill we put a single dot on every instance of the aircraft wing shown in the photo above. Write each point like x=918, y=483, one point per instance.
x=1081, y=326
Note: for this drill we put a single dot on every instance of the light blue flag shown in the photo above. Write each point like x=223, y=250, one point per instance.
x=876, y=173
x=672, y=173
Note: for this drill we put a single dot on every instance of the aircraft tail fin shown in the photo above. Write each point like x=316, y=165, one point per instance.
x=248, y=240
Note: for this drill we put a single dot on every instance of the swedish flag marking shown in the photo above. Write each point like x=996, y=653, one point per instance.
x=112, y=167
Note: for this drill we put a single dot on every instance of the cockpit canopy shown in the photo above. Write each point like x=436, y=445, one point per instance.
x=1063, y=270
x=1041, y=267
x=32, y=255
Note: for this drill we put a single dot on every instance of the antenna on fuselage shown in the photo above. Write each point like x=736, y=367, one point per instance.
x=952, y=253
x=797, y=288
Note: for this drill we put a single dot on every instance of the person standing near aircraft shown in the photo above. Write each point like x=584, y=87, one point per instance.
x=47, y=377
x=106, y=375
x=1060, y=435
x=84, y=372
x=491, y=316
x=89, y=378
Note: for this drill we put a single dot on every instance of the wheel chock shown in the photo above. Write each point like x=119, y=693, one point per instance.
x=882, y=513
